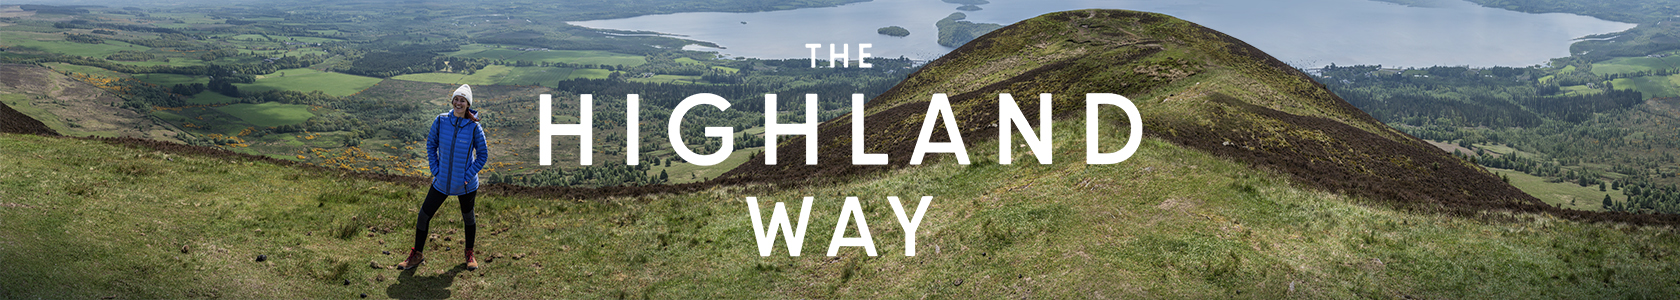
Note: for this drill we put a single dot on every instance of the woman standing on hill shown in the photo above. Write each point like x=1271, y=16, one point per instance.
x=456, y=149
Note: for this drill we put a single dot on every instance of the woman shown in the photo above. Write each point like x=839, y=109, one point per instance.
x=455, y=147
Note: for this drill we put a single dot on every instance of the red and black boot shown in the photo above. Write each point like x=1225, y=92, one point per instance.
x=414, y=260
x=472, y=263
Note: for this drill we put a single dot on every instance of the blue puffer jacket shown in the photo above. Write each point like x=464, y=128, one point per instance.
x=455, y=147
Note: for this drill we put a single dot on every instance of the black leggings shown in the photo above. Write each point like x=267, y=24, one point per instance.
x=434, y=199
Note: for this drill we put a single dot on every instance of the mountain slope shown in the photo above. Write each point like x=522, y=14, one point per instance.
x=73, y=107
x=1195, y=87
x=86, y=219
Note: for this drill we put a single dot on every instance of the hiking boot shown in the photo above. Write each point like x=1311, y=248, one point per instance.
x=414, y=260
x=472, y=263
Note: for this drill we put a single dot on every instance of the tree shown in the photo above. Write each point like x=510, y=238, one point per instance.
x=1601, y=188
x=1607, y=201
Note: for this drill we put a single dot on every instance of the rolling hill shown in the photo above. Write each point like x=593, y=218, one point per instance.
x=1252, y=181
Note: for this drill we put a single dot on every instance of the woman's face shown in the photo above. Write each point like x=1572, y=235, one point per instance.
x=459, y=103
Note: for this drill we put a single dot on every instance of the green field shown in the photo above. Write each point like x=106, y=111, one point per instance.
x=565, y=56
x=505, y=75
x=1635, y=64
x=682, y=172
x=1651, y=86
x=96, y=71
x=173, y=61
x=169, y=116
x=687, y=79
x=55, y=43
x=1561, y=194
x=305, y=80
x=1575, y=90
x=169, y=80
x=269, y=113
x=589, y=73
x=208, y=97
x=485, y=76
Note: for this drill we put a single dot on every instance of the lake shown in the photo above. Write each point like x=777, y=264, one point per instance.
x=1304, y=33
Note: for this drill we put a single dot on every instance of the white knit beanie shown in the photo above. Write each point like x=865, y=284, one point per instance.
x=463, y=91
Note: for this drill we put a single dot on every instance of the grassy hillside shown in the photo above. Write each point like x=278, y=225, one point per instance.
x=1171, y=222
x=1251, y=182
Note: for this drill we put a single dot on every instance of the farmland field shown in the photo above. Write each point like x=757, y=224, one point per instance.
x=304, y=79
x=268, y=114
x=168, y=80
x=669, y=79
x=1635, y=64
x=55, y=43
x=208, y=97
x=96, y=71
x=1562, y=194
x=1651, y=86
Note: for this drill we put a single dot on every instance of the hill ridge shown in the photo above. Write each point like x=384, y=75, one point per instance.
x=1285, y=121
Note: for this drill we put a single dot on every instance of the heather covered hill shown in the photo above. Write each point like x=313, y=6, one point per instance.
x=1195, y=87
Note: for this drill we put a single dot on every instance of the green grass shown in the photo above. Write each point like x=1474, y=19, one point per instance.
x=1635, y=64
x=174, y=61
x=97, y=71
x=209, y=97
x=682, y=172
x=566, y=56
x=1651, y=86
x=589, y=74
x=687, y=79
x=168, y=80
x=55, y=43
x=1170, y=222
x=549, y=77
x=268, y=113
x=1505, y=150
x=168, y=116
x=305, y=80
x=485, y=76
x=1562, y=194
x=1575, y=90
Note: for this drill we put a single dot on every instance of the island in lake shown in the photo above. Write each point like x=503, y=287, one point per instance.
x=893, y=31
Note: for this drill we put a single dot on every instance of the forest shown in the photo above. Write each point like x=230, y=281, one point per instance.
x=953, y=31
x=1574, y=126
